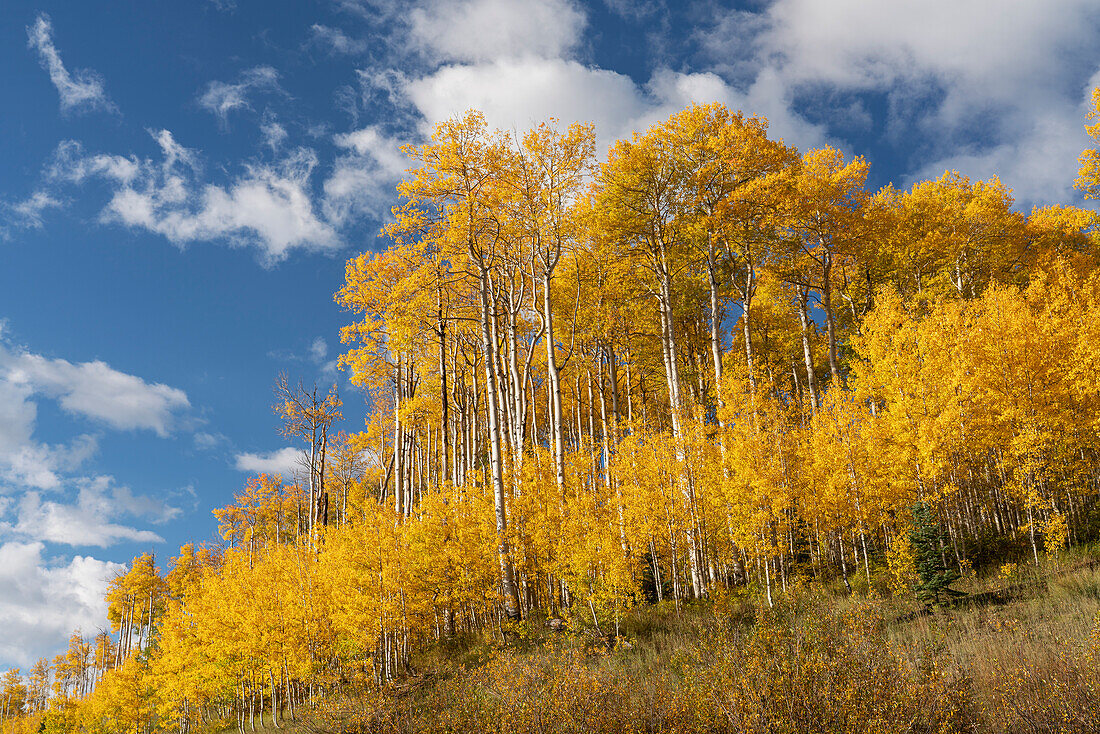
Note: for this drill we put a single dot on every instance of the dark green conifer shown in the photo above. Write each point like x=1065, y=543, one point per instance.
x=934, y=576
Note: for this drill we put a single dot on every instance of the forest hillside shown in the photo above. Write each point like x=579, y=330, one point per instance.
x=701, y=435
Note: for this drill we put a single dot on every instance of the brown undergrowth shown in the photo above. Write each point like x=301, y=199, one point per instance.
x=1029, y=661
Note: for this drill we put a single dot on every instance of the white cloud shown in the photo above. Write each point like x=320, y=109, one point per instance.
x=369, y=141
x=336, y=41
x=97, y=391
x=90, y=521
x=71, y=165
x=636, y=10
x=481, y=30
x=79, y=90
x=1037, y=157
x=274, y=134
x=318, y=350
x=269, y=206
x=517, y=94
x=27, y=214
x=318, y=353
x=670, y=92
x=221, y=98
x=124, y=502
x=31, y=464
x=986, y=48
x=363, y=179
x=89, y=389
x=988, y=86
x=207, y=441
x=521, y=93
x=284, y=461
x=42, y=601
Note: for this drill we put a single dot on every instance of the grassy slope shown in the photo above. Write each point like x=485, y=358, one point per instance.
x=1019, y=655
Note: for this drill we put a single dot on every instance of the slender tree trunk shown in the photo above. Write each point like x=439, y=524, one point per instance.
x=804, y=318
x=511, y=600
x=398, y=441
x=715, y=336
x=445, y=420
x=676, y=408
x=746, y=321
x=554, y=386
x=830, y=319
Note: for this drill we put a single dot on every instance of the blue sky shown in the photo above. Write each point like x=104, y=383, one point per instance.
x=180, y=185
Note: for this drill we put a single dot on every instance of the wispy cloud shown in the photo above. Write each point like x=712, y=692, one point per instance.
x=274, y=134
x=26, y=214
x=362, y=180
x=221, y=98
x=208, y=441
x=318, y=350
x=79, y=90
x=336, y=41
x=316, y=354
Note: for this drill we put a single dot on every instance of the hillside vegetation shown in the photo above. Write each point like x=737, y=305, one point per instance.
x=703, y=435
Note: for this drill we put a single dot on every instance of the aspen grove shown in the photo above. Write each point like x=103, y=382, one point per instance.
x=706, y=362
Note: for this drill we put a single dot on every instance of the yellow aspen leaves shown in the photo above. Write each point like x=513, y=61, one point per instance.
x=705, y=363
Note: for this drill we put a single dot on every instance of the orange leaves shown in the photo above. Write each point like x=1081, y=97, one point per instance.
x=1088, y=176
x=134, y=597
x=955, y=236
x=562, y=414
x=265, y=511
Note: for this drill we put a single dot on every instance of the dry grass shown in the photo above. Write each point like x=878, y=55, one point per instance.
x=1023, y=655
x=1032, y=652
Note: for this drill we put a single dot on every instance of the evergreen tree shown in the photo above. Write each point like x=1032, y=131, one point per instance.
x=933, y=574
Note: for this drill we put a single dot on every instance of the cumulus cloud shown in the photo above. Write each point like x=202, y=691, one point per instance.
x=43, y=600
x=269, y=206
x=221, y=98
x=1037, y=162
x=998, y=88
x=97, y=391
x=516, y=94
x=92, y=390
x=995, y=88
x=986, y=49
x=92, y=519
x=520, y=93
x=480, y=30
x=283, y=461
x=79, y=90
